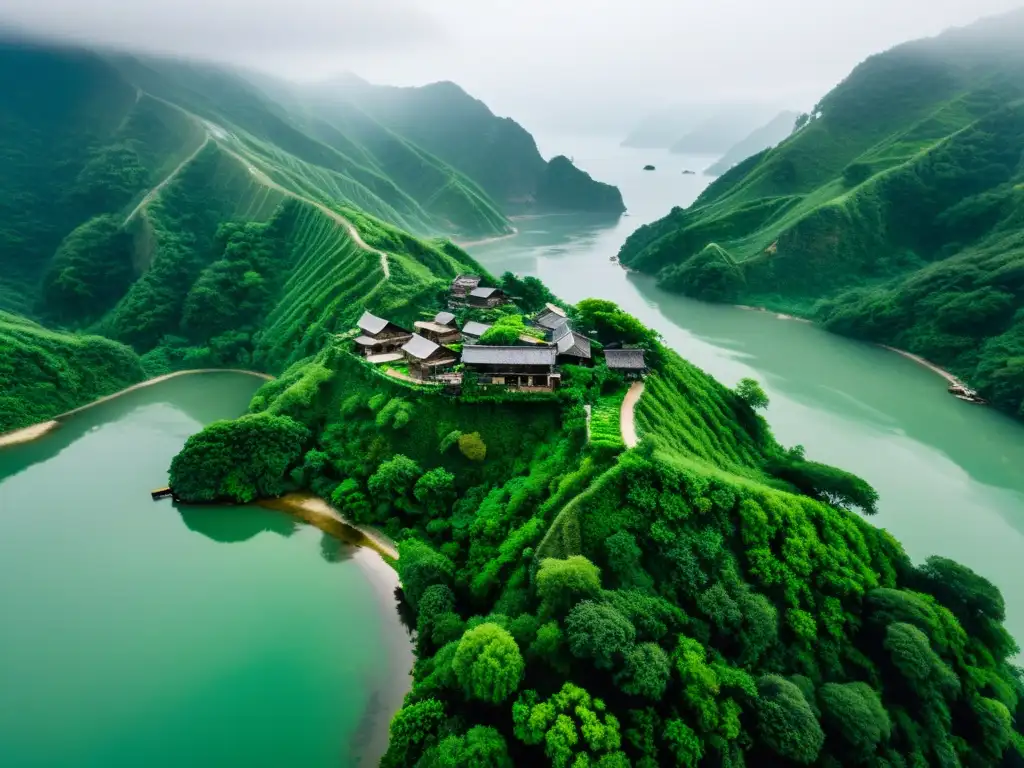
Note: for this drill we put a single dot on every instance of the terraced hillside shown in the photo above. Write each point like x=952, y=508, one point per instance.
x=178, y=210
x=898, y=203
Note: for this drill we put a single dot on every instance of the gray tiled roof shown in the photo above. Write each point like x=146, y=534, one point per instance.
x=625, y=359
x=484, y=355
x=372, y=324
x=419, y=347
x=550, y=320
x=482, y=293
x=555, y=309
x=444, y=318
x=574, y=345
x=473, y=328
x=561, y=332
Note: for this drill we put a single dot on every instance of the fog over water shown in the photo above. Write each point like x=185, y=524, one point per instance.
x=552, y=66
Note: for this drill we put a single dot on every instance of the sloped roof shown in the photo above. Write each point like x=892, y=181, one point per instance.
x=482, y=293
x=550, y=320
x=554, y=308
x=484, y=355
x=574, y=345
x=419, y=347
x=435, y=328
x=473, y=328
x=625, y=359
x=444, y=318
x=561, y=332
x=370, y=323
x=368, y=341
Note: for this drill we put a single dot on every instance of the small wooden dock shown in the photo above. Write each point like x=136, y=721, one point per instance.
x=162, y=493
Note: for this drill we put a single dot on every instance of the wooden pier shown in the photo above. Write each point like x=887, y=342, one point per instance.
x=162, y=493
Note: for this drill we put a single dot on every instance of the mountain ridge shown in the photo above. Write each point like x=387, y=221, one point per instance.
x=889, y=216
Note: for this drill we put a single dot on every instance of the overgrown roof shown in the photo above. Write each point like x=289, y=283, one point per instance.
x=483, y=355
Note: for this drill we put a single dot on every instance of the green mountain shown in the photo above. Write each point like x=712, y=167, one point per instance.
x=44, y=373
x=174, y=208
x=497, y=152
x=706, y=598
x=893, y=215
x=766, y=136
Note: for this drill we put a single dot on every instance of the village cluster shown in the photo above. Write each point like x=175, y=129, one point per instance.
x=532, y=364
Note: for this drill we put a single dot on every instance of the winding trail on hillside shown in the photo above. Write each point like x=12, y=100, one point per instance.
x=268, y=182
x=155, y=191
x=218, y=135
x=627, y=418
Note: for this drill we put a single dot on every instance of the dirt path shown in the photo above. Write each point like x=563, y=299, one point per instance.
x=268, y=182
x=588, y=408
x=627, y=420
x=152, y=194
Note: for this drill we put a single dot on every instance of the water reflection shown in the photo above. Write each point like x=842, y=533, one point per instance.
x=231, y=525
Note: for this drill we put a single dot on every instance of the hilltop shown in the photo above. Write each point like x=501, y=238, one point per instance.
x=893, y=214
x=706, y=596
x=495, y=151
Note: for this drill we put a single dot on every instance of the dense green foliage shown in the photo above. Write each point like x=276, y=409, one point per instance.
x=892, y=215
x=44, y=373
x=707, y=597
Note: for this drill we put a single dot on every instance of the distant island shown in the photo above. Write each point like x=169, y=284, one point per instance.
x=648, y=167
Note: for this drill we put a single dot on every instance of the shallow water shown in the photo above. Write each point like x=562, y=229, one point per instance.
x=950, y=474
x=136, y=633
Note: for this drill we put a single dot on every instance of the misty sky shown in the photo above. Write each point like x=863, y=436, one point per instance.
x=554, y=65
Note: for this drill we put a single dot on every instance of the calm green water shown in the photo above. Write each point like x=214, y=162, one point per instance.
x=137, y=634
x=951, y=475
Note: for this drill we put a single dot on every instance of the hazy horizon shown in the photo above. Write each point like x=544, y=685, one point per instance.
x=578, y=67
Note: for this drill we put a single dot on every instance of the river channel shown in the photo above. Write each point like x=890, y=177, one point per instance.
x=950, y=474
x=137, y=634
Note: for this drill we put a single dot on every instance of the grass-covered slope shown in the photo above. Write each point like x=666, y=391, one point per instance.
x=44, y=373
x=898, y=202
x=681, y=603
x=498, y=153
x=87, y=135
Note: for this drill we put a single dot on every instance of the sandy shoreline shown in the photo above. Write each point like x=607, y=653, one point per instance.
x=926, y=363
x=902, y=352
x=317, y=512
x=486, y=240
x=35, y=431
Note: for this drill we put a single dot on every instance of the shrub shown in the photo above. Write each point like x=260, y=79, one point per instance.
x=473, y=446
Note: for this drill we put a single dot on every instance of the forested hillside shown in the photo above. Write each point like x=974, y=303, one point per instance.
x=44, y=373
x=176, y=209
x=707, y=598
x=893, y=214
x=497, y=152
